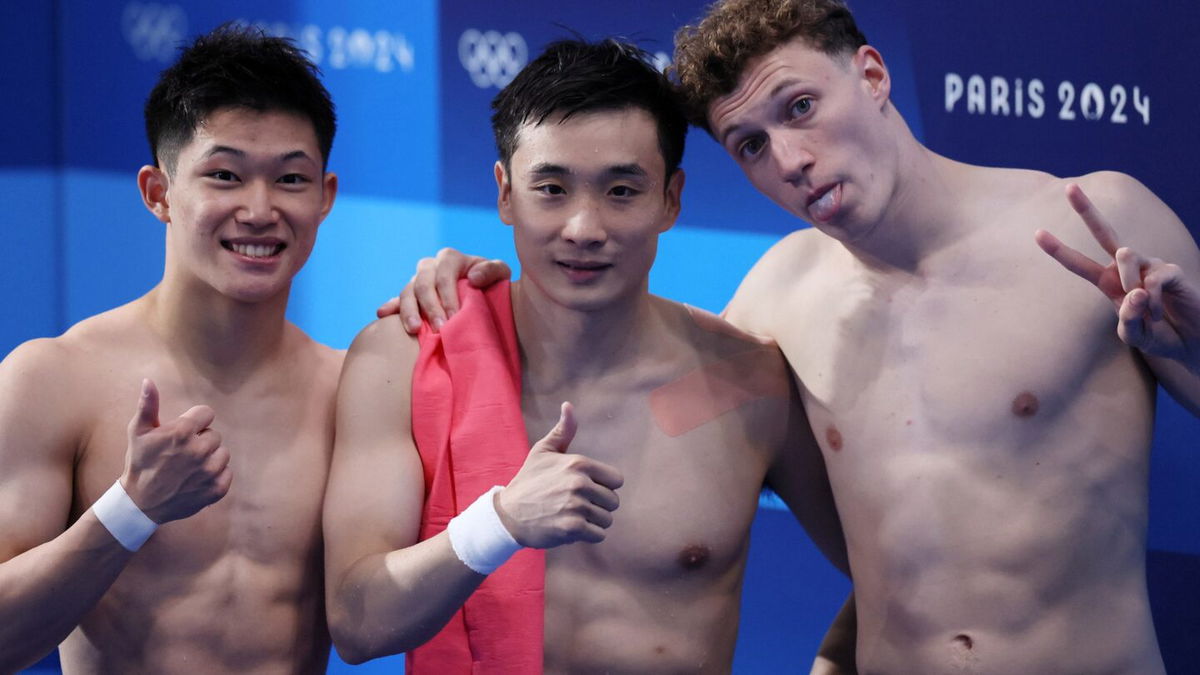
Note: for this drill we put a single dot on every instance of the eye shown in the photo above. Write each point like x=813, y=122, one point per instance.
x=800, y=107
x=552, y=189
x=294, y=179
x=750, y=147
x=624, y=191
x=222, y=175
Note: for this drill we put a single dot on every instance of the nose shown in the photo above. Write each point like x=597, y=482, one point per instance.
x=792, y=157
x=257, y=208
x=585, y=228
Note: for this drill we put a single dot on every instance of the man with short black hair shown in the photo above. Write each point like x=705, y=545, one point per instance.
x=188, y=538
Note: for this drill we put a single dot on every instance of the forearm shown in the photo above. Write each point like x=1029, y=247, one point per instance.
x=836, y=653
x=389, y=603
x=46, y=591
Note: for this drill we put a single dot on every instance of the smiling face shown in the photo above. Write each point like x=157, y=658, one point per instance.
x=809, y=131
x=243, y=203
x=587, y=198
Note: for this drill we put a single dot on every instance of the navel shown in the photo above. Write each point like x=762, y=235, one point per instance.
x=1025, y=404
x=694, y=556
x=833, y=437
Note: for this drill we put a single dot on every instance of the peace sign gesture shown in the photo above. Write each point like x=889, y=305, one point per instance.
x=1157, y=306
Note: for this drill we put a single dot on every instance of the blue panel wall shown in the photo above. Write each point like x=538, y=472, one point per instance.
x=413, y=80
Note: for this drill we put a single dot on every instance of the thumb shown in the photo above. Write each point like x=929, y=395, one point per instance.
x=146, y=417
x=559, y=438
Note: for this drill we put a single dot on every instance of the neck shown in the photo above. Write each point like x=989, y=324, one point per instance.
x=923, y=214
x=562, y=347
x=223, y=339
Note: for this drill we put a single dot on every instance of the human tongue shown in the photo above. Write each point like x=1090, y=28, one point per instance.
x=826, y=206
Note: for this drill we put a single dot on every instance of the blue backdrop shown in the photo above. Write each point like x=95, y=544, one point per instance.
x=1067, y=87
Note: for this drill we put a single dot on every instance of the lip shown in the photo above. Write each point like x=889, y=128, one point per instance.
x=582, y=271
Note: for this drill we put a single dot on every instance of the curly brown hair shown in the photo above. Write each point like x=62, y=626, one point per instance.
x=710, y=56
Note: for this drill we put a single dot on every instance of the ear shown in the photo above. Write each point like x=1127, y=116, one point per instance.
x=153, y=183
x=674, y=196
x=329, y=187
x=868, y=63
x=503, y=193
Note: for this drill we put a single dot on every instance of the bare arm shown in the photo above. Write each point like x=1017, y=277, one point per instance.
x=836, y=653
x=52, y=574
x=1149, y=268
x=387, y=593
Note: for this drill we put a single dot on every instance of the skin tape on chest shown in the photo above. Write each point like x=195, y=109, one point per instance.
x=716, y=388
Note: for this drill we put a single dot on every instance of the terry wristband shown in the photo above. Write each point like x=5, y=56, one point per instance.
x=123, y=519
x=478, y=537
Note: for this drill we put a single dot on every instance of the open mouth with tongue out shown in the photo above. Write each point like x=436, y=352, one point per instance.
x=823, y=203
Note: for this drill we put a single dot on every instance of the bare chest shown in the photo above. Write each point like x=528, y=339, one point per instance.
x=279, y=453
x=687, y=500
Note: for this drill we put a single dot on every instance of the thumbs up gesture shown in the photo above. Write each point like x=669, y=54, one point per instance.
x=175, y=469
x=557, y=497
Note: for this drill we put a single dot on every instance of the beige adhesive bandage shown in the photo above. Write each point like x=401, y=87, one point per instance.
x=716, y=388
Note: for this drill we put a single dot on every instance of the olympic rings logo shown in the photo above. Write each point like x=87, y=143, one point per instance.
x=154, y=31
x=492, y=59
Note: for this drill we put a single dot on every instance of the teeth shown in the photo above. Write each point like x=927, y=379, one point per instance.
x=253, y=250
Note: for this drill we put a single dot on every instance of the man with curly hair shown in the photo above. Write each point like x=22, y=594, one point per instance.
x=986, y=430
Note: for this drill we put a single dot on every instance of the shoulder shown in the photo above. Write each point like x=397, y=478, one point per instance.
x=777, y=271
x=1139, y=218
x=750, y=361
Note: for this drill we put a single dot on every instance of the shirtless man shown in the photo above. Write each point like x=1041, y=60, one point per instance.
x=588, y=178
x=240, y=129
x=986, y=430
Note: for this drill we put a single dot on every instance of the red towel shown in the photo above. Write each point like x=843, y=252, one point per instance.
x=467, y=423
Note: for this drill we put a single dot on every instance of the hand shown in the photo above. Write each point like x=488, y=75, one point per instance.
x=1157, y=307
x=558, y=498
x=433, y=292
x=175, y=469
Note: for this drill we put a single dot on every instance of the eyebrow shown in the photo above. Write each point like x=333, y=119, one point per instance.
x=241, y=154
x=548, y=169
x=780, y=86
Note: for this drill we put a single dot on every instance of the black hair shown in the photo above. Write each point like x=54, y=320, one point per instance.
x=576, y=76
x=234, y=66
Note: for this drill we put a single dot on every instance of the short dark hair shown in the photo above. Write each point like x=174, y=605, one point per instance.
x=710, y=56
x=576, y=76
x=234, y=66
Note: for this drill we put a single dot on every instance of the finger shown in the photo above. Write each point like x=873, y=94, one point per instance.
x=599, y=517
x=410, y=312
x=392, y=306
x=1131, y=327
x=146, y=417
x=1105, y=235
x=487, y=272
x=603, y=474
x=199, y=417
x=1153, y=282
x=424, y=286
x=216, y=462
x=452, y=266
x=208, y=440
x=587, y=531
x=1076, y=262
x=601, y=496
x=559, y=438
x=222, y=482
x=1130, y=264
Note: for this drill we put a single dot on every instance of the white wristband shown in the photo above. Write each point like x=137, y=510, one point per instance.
x=478, y=537
x=123, y=519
